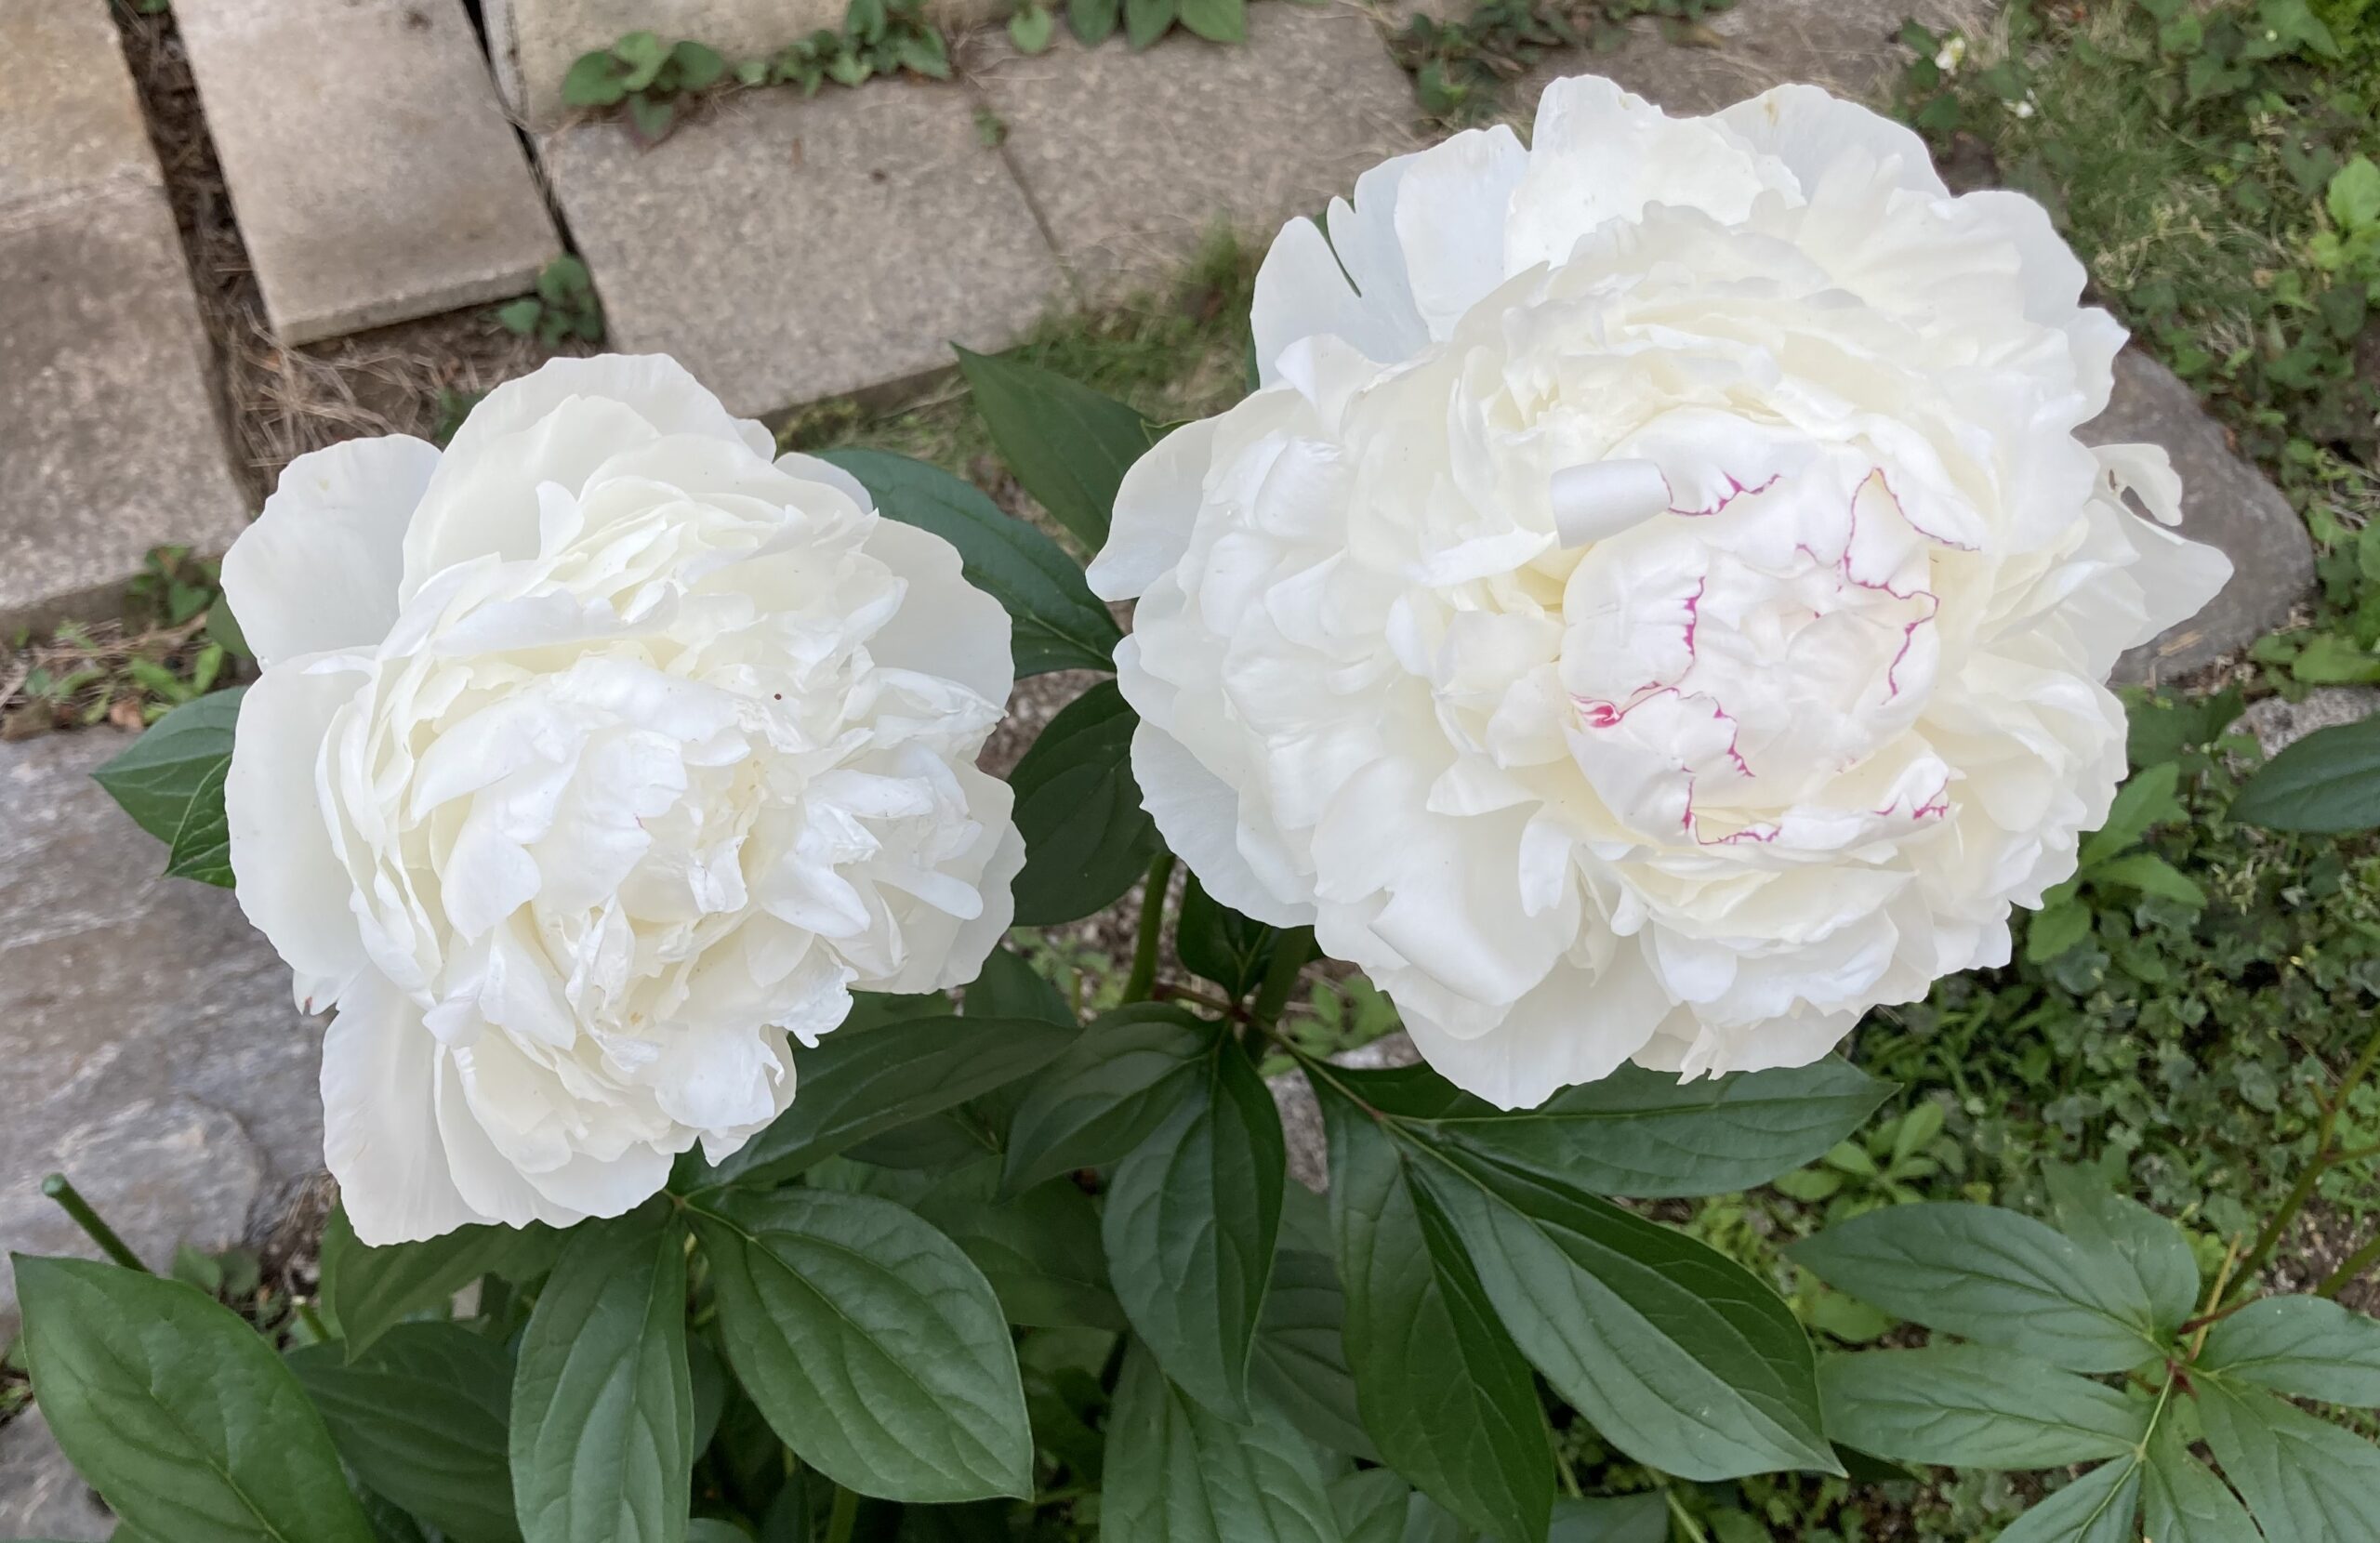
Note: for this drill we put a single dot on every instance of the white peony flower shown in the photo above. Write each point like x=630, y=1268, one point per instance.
x=590, y=759
x=1655, y=605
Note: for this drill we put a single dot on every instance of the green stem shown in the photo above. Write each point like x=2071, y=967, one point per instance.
x=2325, y=1158
x=2353, y=1266
x=1290, y=951
x=71, y=1201
x=313, y=1322
x=1143, y=980
x=1677, y=1509
x=846, y=1512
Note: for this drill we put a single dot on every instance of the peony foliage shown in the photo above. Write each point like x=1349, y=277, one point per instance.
x=1654, y=607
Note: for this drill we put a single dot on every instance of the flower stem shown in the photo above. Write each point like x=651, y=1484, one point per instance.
x=1685, y=1519
x=1290, y=951
x=846, y=1512
x=2325, y=1158
x=2353, y=1266
x=1143, y=980
x=69, y=1200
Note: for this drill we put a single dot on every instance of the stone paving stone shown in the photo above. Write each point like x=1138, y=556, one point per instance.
x=152, y=1050
x=1846, y=46
x=41, y=1496
x=108, y=420
x=2226, y=502
x=788, y=249
x=2278, y=723
x=1130, y=158
x=374, y=177
x=534, y=42
x=69, y=120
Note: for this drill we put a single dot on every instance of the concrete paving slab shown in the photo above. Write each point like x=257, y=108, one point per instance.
x=1130, y=158
x=69, y=120
x=374, y=176
x=107, y=417
x=154, y=1053
x=786, y=249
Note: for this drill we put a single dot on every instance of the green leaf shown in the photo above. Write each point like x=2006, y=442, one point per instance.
x=175, y=762
x=2305, y=1481
x=2181, y=1502
x=861, y=1081
x=2153, y=1249
x=874, y=1347
x=1068, y=444
x=1990, y=1275
x=1058, y=623
x=2151, y=874
x=177, y=1412
x=2057, y=926
x=603, y=1402
x=367, y=1291
x=1300, y=1363
x=1193, y=1215
x=2146, y=800
x=652, y=116
x=1370, y=1506
x=1106, y=1092
x=1679, y=1355
x=1147, y=20
x=1008, y=987
x=2306, y=1347
x=1624, y=1519
x=1087, y=838
x=642, y=55
x=925, y=54
x=2330, y=660
x=1216, y=20
x=699, y=66
x=2327, y=782
x=2353, y=198
x=422, y=1416
x=1038, y=1249
x=202, y=848
x=2097, y=1508
x=1177, y=1473
x=1442, y=1389
x=1094, y=20
x=1029, y=29
x=1972, y=1406
x=1219, y=944
x=521, y=317
x=594, y=80
x=1645, y=1134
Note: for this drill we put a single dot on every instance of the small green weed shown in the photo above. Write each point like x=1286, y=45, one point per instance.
x=563, y=308
x=1459, y=68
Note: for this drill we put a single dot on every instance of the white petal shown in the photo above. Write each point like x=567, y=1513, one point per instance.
x=1156, y=507
x=1451, y=213
x=1809, y=130
x=291, y=883
x=1577, y=1025
x=319, y=569
x=946, y=625
x=1198, y=816
x=380, y=1137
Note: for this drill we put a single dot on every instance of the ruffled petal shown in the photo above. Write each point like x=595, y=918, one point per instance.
x=320, y=568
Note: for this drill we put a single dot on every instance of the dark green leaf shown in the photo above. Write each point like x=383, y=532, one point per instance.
x=860, y=1082
x=2327, y=782
x=1193, y=1217
x=1008, y=987
x=173, y=762
x=653, y=116
x=2151, y=1250
x=603, y=1402
x=1094, y=20
x=2057, y=926
x=699, y=67
x=1068, y=444
x=1087, y=838
x=1216, y=20
x=202, y=848
x=1219, y=945
x=2181, y=1502
x=641, y=54
x=594, y=80
x=1680, y=1356
x=1299, y=1365
x=1646, y=1134
x=2097, y=1508
x=1038, y=1249
x=2307, y=1347
x=870, y=1343
x=177, y=1412
x=1972, y=1406
x=1370, y=1506
x=1102, y=1097
x=2146, y=800
x=1442, y=1391
x=1628, y=1519
x=1177, y=1473
x=1990, y=1276
x=1058, y=623
x=366, y=1290
x=2305, y=1481
x=1147, y=20
x=422, y=1417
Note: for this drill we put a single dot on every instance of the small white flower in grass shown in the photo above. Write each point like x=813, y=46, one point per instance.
x=590, y=760
x=1952, y=53
x=1656, y=605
